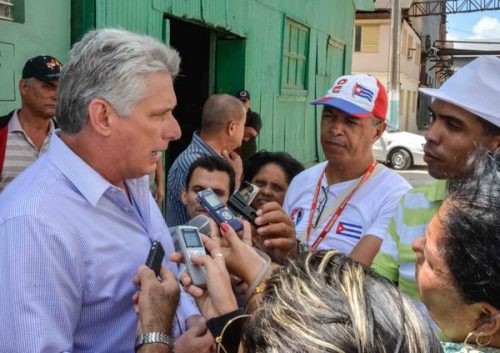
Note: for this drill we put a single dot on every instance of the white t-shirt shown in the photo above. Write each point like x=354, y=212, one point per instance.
x=368, y=211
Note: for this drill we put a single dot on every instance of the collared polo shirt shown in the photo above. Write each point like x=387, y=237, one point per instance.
x=20, y=151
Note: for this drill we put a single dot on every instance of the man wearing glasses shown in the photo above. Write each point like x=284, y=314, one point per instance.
x=346, y=202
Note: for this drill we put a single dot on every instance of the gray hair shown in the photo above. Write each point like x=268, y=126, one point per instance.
x=111, y=64
x=326, y=302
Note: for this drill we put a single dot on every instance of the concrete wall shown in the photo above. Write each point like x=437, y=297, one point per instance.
x=377, y=64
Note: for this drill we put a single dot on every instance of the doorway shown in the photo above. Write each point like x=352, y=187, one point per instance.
x=212, y=61
x=192, y=84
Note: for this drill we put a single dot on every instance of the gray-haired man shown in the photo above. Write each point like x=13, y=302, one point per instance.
x=77, y=224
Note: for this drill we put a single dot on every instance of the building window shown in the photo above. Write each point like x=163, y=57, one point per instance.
x=357, y=39
x=366, y=39
x=295, y=53
x=6, y=7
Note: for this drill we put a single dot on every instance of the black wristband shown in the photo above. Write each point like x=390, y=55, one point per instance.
x=227, y=332
x=216, y=324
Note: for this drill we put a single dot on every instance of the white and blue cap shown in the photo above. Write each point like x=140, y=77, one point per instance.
x=361, y=96
x=475, y=88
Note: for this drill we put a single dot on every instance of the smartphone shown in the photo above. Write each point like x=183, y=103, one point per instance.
x=155, y=257
x=239, y=205
x=247, y=192
x=189, y=242
x=217, y=210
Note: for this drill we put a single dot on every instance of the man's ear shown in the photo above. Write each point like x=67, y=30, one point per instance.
x=101, y=115
x=493, y=143
x=184, y=197
x=230, y=127
x=22, y=87
x=379, y=130
x=488, y=320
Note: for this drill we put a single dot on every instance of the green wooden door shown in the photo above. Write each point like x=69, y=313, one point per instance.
x=229, y=65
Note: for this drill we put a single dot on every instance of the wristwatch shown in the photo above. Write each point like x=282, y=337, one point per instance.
x=154, y=337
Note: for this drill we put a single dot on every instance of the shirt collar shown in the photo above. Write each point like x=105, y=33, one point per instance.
x=202, y=144
x=15, y=124
x=90, y=184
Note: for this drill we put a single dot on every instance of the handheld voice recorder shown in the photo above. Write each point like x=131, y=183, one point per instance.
x=217, y=210
x=155, y=257
x=189, y=242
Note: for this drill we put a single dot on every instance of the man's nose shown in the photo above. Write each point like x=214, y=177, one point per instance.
x=171, y=130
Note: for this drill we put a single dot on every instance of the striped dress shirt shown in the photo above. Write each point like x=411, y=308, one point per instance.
x=70, y=244
x=176, y=212
x=20, y=151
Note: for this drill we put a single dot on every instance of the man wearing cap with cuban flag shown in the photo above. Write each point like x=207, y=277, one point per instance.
x=346, y=202
x=466, y=116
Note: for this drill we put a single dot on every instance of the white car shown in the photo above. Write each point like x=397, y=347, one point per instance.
x=399, y=149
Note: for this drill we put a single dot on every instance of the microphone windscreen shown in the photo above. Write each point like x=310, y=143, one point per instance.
x=201, y=222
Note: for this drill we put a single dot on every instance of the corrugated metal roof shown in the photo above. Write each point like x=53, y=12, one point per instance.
x=386, y=4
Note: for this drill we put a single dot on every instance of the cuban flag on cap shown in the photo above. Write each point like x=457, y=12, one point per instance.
x=361, y=96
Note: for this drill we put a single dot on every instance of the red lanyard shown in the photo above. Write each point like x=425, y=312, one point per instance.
x=339, y=210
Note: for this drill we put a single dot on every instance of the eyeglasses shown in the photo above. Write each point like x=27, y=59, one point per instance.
x=320, y=207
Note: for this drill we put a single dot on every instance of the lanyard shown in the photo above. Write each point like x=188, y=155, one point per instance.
x=339, y=210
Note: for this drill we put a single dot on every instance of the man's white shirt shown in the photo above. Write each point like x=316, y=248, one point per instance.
x=368, y=211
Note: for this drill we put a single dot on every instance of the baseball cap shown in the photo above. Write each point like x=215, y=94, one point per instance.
x=475, y=88
x=243, y=94
x=253, y=121
x=361, y=96
x=43, y=67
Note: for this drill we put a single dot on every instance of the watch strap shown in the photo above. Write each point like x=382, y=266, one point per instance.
x=154, y=337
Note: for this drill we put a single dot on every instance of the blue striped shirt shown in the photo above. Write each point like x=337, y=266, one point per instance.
x=176, y=212
x=70, y=244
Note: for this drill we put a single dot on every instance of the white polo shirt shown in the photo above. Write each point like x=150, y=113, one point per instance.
x=368, y=211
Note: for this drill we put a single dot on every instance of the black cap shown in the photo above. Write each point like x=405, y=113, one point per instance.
x=43, y=67
x=253, y=120
x=243, y=94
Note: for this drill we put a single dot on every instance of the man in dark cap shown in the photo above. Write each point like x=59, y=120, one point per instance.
x=253, y=124
x=25, y=132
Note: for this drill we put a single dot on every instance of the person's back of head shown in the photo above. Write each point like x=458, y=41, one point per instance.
x=472, y=230
x=325, y=302
x=219, y=111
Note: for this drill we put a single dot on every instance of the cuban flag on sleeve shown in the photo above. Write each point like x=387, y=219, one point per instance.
x=350, y=230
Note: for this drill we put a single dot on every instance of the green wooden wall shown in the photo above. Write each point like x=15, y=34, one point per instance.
x=289, y=122
x=39, y=27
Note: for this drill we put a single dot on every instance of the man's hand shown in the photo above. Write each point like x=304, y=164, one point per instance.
x=160, y=182
x=235, y=161
x=276, y=232
x=155, y=302
x=160, y=194
x=195, y=340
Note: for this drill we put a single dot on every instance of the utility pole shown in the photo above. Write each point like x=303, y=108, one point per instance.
x=393, y=86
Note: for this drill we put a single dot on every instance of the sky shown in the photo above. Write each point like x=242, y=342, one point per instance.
x=475, y=25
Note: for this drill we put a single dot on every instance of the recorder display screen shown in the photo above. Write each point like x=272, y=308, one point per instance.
x=191, y=239
x=213, y=200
